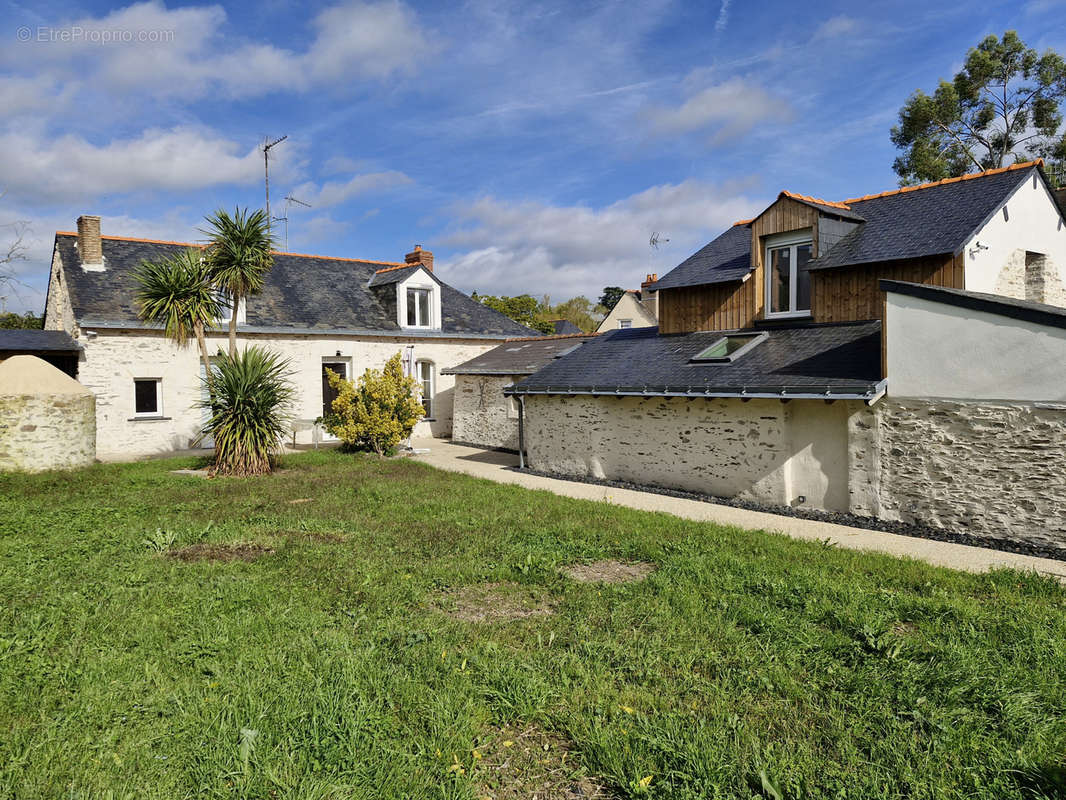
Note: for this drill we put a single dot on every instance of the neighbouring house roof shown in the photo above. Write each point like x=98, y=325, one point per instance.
x=303, y=294
x=912, y=222
x=565, y=327
x=1026, y=310
x=830, y=360
x=37, y=341
x=521, y=356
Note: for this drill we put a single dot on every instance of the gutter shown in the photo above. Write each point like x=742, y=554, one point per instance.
x=870, y=396
x=399, y=333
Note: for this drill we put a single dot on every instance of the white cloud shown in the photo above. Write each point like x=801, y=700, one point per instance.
x=535, y=247
x=723, y=17
x=725, y=110
x=334, y=193
x=835, y=27
x=70, y=167
x=185, y=52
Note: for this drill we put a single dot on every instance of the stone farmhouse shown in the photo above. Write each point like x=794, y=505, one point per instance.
x=898, y=356
x=342, y=314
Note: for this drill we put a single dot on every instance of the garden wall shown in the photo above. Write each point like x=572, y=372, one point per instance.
x=482, y=415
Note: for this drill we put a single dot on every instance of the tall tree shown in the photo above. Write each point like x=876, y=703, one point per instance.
x=239, y=257
x=523, y=309
x=1003, y=106
x=610, y=297
x=177, y=293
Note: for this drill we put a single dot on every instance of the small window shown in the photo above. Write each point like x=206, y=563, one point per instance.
x=225, y=310
x=418, y=315
x=625, y=323
x=729, y=348
x=147, y=397
x=424, y=375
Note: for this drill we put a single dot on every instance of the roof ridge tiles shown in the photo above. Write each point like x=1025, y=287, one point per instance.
x=807, y=198
x=200, y=246
x=553, y=336
x=1039, y=162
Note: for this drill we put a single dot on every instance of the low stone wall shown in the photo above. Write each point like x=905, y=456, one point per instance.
x=793, y=454
x=481, y=414
x=992, y=470
x=40, y=432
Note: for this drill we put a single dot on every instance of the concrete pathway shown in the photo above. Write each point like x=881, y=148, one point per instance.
x=493, y=465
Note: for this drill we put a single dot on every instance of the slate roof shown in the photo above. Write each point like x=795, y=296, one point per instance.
x=928, y=221
x=727, y=258
x=1026, y=310
x=30, y=341
x=303, y=293
x=520, y=356
x=918, y=221
x=825, y=360
x=564, y=327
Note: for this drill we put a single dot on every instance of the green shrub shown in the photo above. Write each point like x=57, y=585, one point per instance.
x=378, y=412
x=249, y=412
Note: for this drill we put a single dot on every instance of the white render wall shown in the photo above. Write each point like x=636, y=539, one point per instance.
x=628, y=307
x=482, y=415
x=793, y=454
x=112, y=360
x=937, y=350
x=1032, y=223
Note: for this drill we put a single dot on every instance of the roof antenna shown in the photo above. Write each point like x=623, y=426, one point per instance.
x=267, y=144
x=289, y=202
x=655, y=239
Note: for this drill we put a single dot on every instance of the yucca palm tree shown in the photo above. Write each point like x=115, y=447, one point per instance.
x=239, y=256
x=177, y=293
x=249, y=411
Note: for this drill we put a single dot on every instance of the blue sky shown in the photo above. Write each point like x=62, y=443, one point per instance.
x=533, y=146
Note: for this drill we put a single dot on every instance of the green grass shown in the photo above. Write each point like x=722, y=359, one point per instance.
x=748, y=664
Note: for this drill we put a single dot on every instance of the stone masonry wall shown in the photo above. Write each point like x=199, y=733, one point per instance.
x=40, y=432
x=983, y=469
x=482, y=415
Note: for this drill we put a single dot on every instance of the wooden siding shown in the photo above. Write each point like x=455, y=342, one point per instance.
x=782, y=217
x=853, y=293
x=718, y=307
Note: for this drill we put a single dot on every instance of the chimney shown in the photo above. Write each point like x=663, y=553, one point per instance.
x=420, y=256
x=89, y=247
x=648, y=295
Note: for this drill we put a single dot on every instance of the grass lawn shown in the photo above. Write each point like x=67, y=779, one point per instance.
x=361, y=645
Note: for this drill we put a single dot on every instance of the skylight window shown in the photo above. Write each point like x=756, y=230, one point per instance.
x=729, y=348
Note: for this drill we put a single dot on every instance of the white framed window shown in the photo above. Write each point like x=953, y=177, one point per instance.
x=419, y=314
x=625, y=323
x=424, y=374
x=147, y=397
x=225, y=313
x=788, y=281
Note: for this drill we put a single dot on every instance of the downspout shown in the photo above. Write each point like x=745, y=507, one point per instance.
x=521, y=432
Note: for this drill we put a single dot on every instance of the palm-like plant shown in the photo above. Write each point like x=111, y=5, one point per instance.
x=249, y=410
x=239, y=256
x=177, y=293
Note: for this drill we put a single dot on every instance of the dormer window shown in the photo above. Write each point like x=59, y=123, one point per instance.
x=418, y=308
x=225, y=311
x=788, y=281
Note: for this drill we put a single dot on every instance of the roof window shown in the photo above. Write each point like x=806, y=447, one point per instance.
x=729, y=348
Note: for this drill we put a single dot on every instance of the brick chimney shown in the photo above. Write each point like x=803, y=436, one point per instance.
x=420, y=256
x=648, y=295
x=89, y=246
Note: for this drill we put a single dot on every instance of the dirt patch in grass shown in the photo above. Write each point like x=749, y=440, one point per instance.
x=518, y=763
x=493, y=602
x=205, y=551
x=609, y=571
x=299, y=500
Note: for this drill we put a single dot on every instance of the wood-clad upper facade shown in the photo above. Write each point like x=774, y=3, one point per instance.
x=843, y=294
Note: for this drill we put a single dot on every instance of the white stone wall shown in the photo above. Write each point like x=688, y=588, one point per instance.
x=985, y=469
x=1032, y=222
x=482, y=414
x=765, y=450
x=58, y=314
x=113, y=359
x=46, y=431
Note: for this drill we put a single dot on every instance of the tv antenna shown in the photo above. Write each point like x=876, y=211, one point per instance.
x=656, y=239
x=267, y=144
x=290, y=201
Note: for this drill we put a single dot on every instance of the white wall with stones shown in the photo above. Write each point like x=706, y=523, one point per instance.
x=47, y=431
x=482, y=415
x=113, y=359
